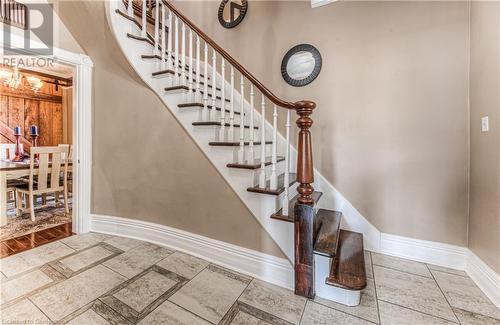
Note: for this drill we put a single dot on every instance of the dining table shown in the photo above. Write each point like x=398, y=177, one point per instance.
x=13, y=170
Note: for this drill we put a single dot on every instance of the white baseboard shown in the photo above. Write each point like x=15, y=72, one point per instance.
x=446, y=255
x=256, y=264
x=484, y=277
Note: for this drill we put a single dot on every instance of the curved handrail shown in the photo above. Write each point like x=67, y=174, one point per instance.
x=272, y=97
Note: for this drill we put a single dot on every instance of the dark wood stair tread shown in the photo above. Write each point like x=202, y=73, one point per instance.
x=140, y=38
x=234, y=143
x=256, y=164
x=279, y=190
x=348, y=266
x=327, y=231
x=215, y=123
x=178, y=87
x=217, y=96
x=188, y=105
x=291, y=208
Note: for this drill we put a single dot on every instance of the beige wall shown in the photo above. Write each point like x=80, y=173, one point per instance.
x=390, y=129
x=484, y=230
x=144, y=164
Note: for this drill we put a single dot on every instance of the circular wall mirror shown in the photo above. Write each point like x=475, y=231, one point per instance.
x=232, y=12
x=301, y=65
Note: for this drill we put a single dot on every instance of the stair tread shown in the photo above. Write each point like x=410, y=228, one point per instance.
x=216, y=96
x=327, y=230
x=291, y=208
x=279, y=190
x=234, y=143
x=140, y=38
x=215, y=123
x=178, y=87
x=347, y=270
x=256, y=164
x=186, y=105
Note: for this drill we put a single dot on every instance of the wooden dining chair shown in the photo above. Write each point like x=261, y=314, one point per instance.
x=8, y=151
x=44, y=178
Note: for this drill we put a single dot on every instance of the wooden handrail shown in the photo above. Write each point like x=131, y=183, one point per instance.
x=272, y=97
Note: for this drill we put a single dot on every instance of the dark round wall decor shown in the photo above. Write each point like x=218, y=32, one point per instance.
x=301, y=65
x=232, y=12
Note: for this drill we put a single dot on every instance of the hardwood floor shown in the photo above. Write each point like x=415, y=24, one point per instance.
x=22, y=243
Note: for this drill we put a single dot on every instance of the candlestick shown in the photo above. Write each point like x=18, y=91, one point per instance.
x=34, y=142
x=19, y=154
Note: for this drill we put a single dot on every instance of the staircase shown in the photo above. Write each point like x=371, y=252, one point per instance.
x=223, y=108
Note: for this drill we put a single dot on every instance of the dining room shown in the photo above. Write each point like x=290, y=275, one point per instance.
x=36, y=149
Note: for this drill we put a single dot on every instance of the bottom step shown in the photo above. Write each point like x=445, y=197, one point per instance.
x=346, y=271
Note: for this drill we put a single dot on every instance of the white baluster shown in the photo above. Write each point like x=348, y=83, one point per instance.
x=286, y=197
x=163, y=35
x=214, y=86
x=241, y=150
x=130, y=8
x=183, y=57
x=262, y=174
x=206, y=112
x=157, y=27
x=169, y=41
x=231, y=111
x=198, y=58
x=144, y=21
x=175, y=59
x=222, y=130
x=250, y=154
x=274, y=177
x=191, y=76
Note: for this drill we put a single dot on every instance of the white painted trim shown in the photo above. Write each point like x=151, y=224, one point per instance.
x=484, y=277
x=256, y=264
x=82, y=129
x=446, y=255
x=320, y=3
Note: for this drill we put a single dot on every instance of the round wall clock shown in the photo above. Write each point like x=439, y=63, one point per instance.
x=232, y=12
x=301, y=65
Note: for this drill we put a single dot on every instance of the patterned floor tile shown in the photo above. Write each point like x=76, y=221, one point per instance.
x=89, y=317
x=68, y=296
x=183, y=264
x=274, y=300
x=367, y=308
x=33, y=258
x=169, y=313
x=395, y=315
x=79, y=242
x=82, y=260
x=470, y=318
x=463, y=293
x=446, y=269
x=211, y=293
x=23, y=312
x=316, y=314
x=138, y=259
x=243, y=318
x=411, y=291
x=123, y=243
x=137, y=297
x=22, y=285
x=401, y=264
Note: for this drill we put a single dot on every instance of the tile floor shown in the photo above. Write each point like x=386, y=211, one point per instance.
x=100, y=279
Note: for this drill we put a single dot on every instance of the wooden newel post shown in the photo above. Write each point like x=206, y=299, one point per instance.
x=305, y=169
x=304, y=210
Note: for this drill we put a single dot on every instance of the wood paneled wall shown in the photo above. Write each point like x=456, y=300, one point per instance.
x=26, y=108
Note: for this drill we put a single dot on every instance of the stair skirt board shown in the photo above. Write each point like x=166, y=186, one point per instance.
x=259, y=265
x=325, y=291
